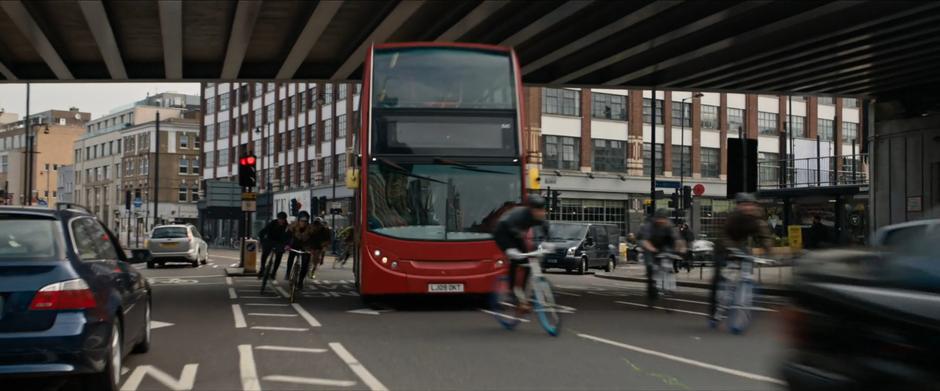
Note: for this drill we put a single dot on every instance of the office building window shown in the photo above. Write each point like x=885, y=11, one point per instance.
x=711, y=162
x=798, y=126
x=648, y=109
x=223, y=130
x=342, y=91
x=768, y=167
x=341, y=166
x=735, y=119
x=223, y=102
x=850, y=103
x=197, y=144
x=182, y=194
x=210, y=132
x=561, y=152
x=311, y=134
x=184, y=165
x=766, y=122
x=681, y=160
x=327, y=169
x=210, y=105
x=184, y=140
x=328, y=129
x=648, y=159
x=825, y=130
x=194, y=194
x=210, y=159
x=826, y=100
x=128, y=168
x=341, y=126
x=223, y=156
x=194, y=165
x=560, y=101
x=258, y=117
x=709, y=117
x=610, y=155
x=849, y=132
x=681, y=114
x=286, y=139
x=608, y=106
x=144, y=166
x=269, y=113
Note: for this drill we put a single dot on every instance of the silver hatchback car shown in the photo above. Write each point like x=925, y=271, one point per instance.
x=176, y=243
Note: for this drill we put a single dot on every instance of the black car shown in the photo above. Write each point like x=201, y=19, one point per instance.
x=865, y=320
x=582, y=246
x=70, y=304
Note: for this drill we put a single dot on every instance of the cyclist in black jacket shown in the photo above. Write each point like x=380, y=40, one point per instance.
x=510, y=235
x=273, y=239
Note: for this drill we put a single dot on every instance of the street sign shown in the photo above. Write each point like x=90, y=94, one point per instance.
x=249, y=196
x=698, y=189
x=138, y=202
x=668, y=184
x=249, y=206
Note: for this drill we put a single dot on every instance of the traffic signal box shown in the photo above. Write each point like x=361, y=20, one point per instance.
x=247, y=174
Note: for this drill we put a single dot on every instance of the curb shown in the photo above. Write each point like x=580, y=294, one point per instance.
x=238, y=272
x=762, y=289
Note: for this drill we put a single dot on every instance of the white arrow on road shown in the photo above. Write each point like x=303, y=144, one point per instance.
x=156, y=324
x=366, y=311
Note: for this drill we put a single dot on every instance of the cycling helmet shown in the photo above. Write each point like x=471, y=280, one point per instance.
x=536, y=201
x=744, y=198
x=662, y=214
x=303, y=215
x=281, y=215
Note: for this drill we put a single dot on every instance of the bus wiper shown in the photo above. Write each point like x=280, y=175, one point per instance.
x=467, y=166
x=404, y=171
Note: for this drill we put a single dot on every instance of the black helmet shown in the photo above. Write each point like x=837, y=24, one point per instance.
x=745, y=198
x=281, y=215
x=662, y=214
x=536, y=201
x=303, y=215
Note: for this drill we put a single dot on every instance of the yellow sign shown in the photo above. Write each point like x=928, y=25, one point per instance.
x=352, y=178
x=249, y=196
x=535, y=182
x=647, y=202
x=795, y=237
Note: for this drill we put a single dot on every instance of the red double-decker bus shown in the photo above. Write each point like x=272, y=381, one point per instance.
x=440, y=160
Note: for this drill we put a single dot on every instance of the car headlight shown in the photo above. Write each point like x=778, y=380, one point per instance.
x=571, y=251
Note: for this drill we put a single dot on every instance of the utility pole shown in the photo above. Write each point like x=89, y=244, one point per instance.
x=156, y=171
x=653, y=152
x=27, y=170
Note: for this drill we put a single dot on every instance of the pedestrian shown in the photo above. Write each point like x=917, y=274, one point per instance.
x=818, y=234
x=348, y=240
x=273, y=239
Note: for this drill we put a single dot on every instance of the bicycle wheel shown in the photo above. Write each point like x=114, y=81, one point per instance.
x=740, y=316
x=545, y=307
x=264, y=275
x=725, y=298
x=294, y=280
x=503, y=303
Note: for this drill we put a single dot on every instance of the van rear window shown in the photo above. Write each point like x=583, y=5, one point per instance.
x=28, y=238
x=169, y=233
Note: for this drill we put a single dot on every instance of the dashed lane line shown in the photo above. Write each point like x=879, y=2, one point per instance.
x=272, y=315
x=266, y=304
x=700, y=364
x=313, y=381
x=260, y=297
x=290, y=349
x=239, y=316
x=306, y=315
x=247, y=369
x=232, y=294
x=762, y=309
x=524, y=320
x=281, y=291
x=662, y=308
x=357, y=367
x=228, y=280
x=272, y=328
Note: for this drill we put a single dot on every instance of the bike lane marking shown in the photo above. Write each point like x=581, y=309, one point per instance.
x=357, y=367
x=752, y=308
x=688, y=361
x=290, y=349
x=239, y=316
x=524, y=320
x=272, y=328
x=663, y=308
x=306, y=315
x=309, y=380
x=231, y=293
x=247, y=369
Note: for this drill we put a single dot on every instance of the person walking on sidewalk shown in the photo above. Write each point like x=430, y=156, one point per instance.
x=273, y=239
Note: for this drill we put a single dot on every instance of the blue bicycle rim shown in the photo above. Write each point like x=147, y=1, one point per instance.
x=551, y=329
x=508, y=321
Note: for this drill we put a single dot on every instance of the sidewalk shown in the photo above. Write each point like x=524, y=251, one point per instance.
x=770, y=280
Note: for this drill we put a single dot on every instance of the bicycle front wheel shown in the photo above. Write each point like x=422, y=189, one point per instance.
x=503, y=303
x=740, y=317
x=545, y=307
x=294, y=281
x=264, y=275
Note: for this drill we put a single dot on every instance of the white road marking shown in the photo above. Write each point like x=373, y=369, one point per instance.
x=762, y=309
x=231, y=293
x=239, y=316
x=281, y=291
x=184, y=383
x=663, y=308
x=273, y=315
x=267, y=304
x=730, y=371
x=125, y=370
x=247, y=369
x=366, y=311
x=309, y=380
x=233, y=265
x=260, y=297
x=290, y=349
x=271, y=328
x=228, y=280
x=361, y=371
x=567, y=294
x=182, y=277
x=504, y=316
x=306, y=315
x=155, y=324
x=214, y=266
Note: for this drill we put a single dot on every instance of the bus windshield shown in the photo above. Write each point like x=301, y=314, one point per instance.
x=443, y=78
x=441, y=202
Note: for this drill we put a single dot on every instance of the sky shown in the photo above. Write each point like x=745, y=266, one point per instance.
x=96, y=98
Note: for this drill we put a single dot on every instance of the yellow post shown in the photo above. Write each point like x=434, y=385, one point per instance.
x=535, y=182
x=251, y=256
x=795, y=237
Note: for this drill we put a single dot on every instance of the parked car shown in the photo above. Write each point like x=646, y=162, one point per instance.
x=70, y=304
x=582, y=246
x=176, y=243
x=703, y=252
x=865, y=320
x=899, y=235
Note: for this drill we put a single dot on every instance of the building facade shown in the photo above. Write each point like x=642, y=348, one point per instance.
x=65, y=184
x=595, y=146
x=54, y=132
x=301, y=134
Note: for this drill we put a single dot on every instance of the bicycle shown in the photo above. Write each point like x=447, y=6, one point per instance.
x=736, y=290
x=296, y=273
x=504, y=304
x=664, y=272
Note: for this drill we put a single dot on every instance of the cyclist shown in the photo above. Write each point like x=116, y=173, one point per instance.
x=744, y=228
x=273, y=239
x=658, y=235
x=301, y=238
x=319, y=242
x=511, y=233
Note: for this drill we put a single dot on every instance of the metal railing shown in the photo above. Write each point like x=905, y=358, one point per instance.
x=818, y=171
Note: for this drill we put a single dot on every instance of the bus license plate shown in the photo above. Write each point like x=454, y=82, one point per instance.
x=445, y=288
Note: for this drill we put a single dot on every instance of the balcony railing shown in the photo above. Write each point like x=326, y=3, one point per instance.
x=813, y=172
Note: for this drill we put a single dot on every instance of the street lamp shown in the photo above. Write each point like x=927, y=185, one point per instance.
x=682, y=139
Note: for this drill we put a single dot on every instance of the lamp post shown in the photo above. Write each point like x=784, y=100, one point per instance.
x=682, y=147
x=321, y=100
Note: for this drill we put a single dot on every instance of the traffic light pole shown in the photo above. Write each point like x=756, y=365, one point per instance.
x=156, y=171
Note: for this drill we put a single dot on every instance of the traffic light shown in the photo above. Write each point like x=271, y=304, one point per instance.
x=687, y=197
x=247, y=175
x=553, y=199
x=674, y=200
x=295, y=207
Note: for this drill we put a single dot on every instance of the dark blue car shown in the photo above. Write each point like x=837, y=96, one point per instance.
x=70, y=304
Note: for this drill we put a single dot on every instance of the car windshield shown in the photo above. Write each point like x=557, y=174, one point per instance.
x=28, y=238
x=169, y=233
x=446, y=202
x=565, y=231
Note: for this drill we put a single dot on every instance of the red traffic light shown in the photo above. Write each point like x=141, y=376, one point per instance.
x=250, y=160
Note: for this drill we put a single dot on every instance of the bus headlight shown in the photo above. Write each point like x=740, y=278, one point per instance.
x=377, y=253
x=572, y=251
x=499, y=263
x=384, y=260
x=394, y=265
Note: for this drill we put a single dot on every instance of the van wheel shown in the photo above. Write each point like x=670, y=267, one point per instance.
x=583, y=268
x=610, y=265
